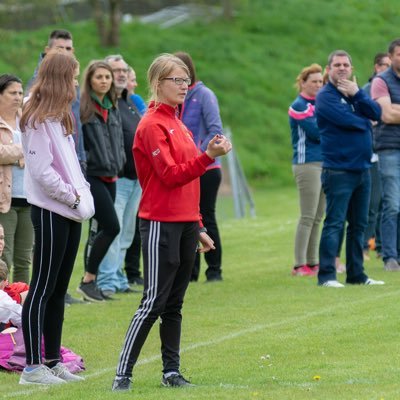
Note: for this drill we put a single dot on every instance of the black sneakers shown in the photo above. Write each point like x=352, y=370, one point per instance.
x=121, y=383
x=138, y=281
x=90, y=291
x=129, y=290
x=176, y=380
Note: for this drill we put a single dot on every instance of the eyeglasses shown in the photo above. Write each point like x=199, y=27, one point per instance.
x=382, y=64
x=179, y=81
x=121, y=70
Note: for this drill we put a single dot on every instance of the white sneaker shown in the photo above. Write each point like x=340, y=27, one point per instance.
x=41, y=375
x=370, y=281
x=335, y=284
x=62, y=372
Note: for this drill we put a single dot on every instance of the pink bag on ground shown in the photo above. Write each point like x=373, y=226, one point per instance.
x=12, y=356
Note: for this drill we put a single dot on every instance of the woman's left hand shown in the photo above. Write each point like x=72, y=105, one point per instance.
x=207, y=243
x=219, y=145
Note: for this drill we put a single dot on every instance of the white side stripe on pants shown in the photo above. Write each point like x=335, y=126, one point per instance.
x=35, y=289
x=144, y=310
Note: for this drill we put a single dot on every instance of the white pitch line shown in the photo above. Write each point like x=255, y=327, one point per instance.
x=233, y=335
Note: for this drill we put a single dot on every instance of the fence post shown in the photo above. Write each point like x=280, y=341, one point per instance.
x=240, y=189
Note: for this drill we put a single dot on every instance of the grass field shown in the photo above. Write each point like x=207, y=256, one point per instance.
x=260, y=334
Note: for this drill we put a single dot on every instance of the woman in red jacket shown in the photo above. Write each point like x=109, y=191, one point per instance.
x=168, y=166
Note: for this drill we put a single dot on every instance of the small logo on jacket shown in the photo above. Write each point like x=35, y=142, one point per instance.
x=156, y=152
x=32, y=152
x=171, y=131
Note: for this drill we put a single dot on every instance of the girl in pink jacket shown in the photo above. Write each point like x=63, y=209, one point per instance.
x=60, y=200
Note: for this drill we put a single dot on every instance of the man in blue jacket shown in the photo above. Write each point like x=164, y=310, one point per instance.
x=343, y=115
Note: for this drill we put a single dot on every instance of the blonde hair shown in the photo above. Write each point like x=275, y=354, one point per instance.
x=159, y=69
x=3, y=271
x=53, y=92
x=305, y=73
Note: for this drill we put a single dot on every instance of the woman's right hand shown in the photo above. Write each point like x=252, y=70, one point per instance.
x=207, y=243
x=219, y=145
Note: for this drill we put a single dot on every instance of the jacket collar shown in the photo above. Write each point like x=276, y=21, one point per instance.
x=164, y=108
x=4, y=125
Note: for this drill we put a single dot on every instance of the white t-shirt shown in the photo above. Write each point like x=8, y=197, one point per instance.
x=10, y=310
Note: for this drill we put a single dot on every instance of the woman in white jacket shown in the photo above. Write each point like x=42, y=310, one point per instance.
x=60, y=199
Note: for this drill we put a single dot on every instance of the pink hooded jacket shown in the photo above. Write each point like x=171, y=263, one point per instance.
x=53, y=176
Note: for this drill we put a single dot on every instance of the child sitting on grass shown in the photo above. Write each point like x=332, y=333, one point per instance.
x=12, y=349
x=10, y=310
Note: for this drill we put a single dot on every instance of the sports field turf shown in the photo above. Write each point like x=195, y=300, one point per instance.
x=259, y=334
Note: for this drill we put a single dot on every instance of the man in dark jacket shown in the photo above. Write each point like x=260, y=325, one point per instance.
x=385, y=89
x=343, y=115
x=110, y=278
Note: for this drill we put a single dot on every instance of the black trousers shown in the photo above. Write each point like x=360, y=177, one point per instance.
x=56, y=245
x=132, y=256
x=168, y=256
x=209, y=185
x=104, y=226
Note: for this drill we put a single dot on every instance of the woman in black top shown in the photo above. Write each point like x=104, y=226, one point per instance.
x=104, y=146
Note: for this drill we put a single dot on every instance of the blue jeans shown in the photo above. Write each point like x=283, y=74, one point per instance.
x=389, y=168
x=110, y=275
x=347, y=198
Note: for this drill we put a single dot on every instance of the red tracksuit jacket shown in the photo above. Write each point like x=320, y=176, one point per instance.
x=168, y=166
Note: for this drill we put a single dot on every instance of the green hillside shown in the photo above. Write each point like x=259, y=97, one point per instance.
x=251, y=62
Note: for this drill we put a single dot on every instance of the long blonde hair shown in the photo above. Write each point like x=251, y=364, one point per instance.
x=53, y=93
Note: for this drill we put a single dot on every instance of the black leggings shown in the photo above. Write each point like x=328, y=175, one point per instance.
x=104, y=226
x=56, y=244
x=209, y=185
